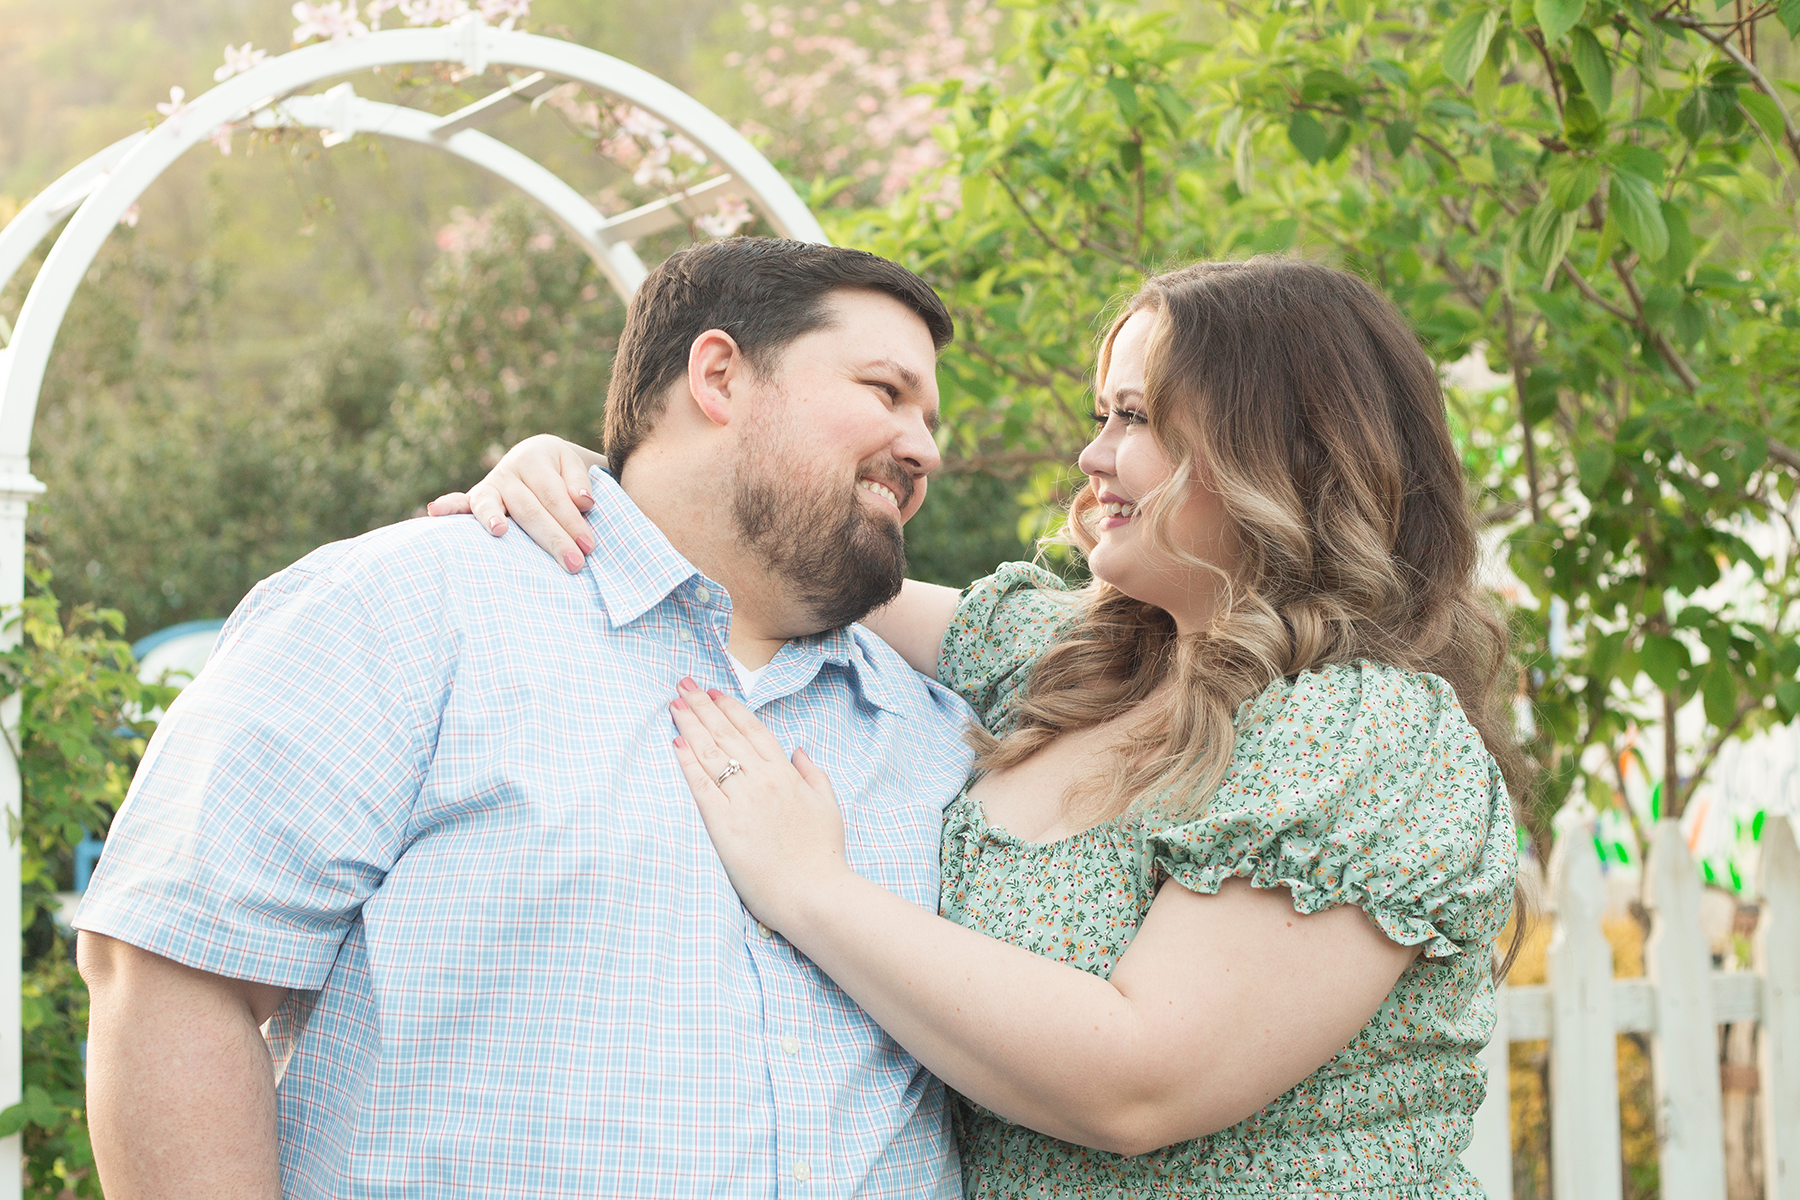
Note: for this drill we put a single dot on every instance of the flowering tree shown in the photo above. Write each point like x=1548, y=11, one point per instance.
x=1587, y=192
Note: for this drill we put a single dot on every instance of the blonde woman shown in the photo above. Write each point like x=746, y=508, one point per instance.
x=1220, y=901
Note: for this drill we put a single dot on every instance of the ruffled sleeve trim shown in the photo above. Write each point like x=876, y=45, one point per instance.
x=1365, y=785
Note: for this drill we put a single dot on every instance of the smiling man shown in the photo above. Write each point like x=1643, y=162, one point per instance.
x=420, y=814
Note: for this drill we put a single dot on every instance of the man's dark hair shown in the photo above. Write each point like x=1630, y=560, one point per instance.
x=764, y=292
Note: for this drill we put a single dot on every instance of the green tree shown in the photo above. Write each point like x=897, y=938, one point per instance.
x=1592, y=194
x=82, y=729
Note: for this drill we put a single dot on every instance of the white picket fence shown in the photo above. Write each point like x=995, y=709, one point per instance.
x=1680, y=1003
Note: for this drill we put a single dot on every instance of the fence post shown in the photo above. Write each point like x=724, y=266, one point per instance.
x=1777, y=957
x=1584, y=1060
x=1489, y=1156
x=1684, y=1053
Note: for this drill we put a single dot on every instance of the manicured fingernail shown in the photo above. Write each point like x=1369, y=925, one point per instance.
x=687, y=685
x=680, y=743
x=497, y=525
x=572, y=560
x=715, y=693
x=586, y=543
x=584, y=497
x=678, y=702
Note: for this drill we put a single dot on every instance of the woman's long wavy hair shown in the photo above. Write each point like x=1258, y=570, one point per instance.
x=1304, y=401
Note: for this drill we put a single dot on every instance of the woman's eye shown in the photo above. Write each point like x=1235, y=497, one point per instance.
x=1133, y=416
x=1100, y=418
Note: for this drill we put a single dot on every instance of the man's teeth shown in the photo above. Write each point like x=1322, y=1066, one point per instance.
x=884, y=493
x=1120, y=510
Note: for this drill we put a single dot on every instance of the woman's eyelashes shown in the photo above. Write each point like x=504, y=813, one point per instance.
x=1126, y=415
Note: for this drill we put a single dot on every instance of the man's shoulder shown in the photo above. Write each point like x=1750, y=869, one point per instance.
x=907, y=691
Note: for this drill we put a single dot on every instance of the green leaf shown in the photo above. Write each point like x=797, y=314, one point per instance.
x=1557, y=17
x=1682, y=246
x=1487, y=85
x=1549, y=235
x=1765, y=112
x=1595, y=464
x=1399, y=134
x=1467, y=43
x=1639, y=160
x=1663, y=659
x=1125, y=92
x=1591, y=66
x=1719, y=694
x=1573, y=182
x=1787, y=698
x=1789, y=14
x=1307, y=135
x=35, y=1109
x=1633, y=202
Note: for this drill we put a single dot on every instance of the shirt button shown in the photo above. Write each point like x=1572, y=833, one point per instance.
x=702, y=595
x=802, y=1172
x=790, y=1045
x=762, y=930
x=682, y=635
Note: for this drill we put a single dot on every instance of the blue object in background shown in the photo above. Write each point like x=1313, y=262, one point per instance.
x=87, y=853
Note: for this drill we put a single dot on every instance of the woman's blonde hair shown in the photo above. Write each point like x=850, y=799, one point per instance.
x=1303, y=400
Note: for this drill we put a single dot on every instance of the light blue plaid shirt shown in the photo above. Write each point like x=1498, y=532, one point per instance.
x=426, y=782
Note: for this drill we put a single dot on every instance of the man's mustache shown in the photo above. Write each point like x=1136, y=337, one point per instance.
x=896, y=479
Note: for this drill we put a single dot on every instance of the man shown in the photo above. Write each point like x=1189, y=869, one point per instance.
x=420, y=813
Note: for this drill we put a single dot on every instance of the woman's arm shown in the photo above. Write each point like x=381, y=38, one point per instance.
x=1221, y=1003
x=542, y=484
x=914, y=623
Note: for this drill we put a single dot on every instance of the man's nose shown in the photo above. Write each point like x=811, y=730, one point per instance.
x=915, y=448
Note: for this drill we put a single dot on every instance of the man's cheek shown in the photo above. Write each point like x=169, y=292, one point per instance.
x=918, y=500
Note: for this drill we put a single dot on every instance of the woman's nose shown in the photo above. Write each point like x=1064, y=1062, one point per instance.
x=1096, y=457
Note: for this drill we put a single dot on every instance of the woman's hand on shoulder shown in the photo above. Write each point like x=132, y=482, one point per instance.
x=542, y=484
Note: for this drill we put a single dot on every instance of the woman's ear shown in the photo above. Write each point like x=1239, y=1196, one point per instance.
x=715, y=367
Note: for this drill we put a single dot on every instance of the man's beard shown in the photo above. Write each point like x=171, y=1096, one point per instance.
x=841, y=561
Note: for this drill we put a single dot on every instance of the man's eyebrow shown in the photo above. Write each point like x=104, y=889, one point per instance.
x=910, y=379
x=907, y=375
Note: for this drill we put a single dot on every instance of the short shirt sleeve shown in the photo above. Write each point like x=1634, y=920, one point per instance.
x=276, y=791
x=1003, y=624
x=1364, y=785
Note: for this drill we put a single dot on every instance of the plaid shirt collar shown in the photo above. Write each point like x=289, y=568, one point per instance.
x=634, y=568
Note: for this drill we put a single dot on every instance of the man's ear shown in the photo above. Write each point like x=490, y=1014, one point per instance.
x=715, y=368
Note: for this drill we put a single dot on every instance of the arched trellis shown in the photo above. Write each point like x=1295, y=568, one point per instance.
x=100, y=191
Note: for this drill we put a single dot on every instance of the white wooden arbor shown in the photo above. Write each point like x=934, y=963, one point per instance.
x=100, y=191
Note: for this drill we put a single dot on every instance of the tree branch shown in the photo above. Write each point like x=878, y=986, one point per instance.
x=1593, y=297
x=1723, y=42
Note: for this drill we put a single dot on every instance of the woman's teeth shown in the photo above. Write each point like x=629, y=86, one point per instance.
x=1120, y=510
x=884, y=493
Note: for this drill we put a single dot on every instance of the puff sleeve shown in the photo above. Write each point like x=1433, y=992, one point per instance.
x=1366, y=785
x=1003, y=625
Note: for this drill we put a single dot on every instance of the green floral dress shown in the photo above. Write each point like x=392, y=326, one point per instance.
x=1352, y=784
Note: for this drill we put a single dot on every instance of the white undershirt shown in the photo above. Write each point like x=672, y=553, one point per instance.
x=746, y=677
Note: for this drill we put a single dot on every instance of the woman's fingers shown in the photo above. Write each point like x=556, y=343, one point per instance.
x=712, y=727
x=450, y=504
x=745, y=723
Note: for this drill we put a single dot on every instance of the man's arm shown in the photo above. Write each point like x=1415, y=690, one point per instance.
x=181, y=1095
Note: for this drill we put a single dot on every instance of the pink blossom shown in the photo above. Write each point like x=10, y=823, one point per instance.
x=221, y=137
x=333, y=20
x=376, y=9
x=432, y=12
x=731, y=215
x=505, y=12
x=129, y=217
x=173, y=110
x=238, y=59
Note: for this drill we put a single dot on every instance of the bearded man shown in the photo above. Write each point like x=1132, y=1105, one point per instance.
x=419, y=818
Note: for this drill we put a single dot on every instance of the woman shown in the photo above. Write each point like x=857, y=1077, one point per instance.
x=1220, y=900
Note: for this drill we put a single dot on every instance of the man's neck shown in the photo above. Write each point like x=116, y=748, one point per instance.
x=698, y=523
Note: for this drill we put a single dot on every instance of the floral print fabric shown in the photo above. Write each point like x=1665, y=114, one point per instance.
x=1353, y=784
